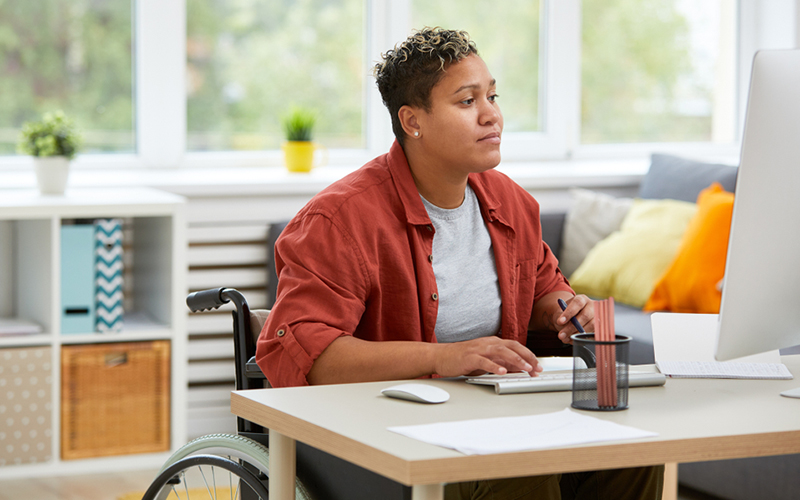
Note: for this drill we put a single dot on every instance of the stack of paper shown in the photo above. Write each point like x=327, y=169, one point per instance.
x=684, y=348
x=15, y=326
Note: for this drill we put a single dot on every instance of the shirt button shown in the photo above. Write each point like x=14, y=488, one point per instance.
x=430, y=228
x=430, y=257
x=281, y=333
x=435, y=296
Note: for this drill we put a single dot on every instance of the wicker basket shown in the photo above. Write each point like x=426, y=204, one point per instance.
x=114, y=399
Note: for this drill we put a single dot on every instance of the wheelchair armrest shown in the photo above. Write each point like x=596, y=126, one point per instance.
x=251, y=370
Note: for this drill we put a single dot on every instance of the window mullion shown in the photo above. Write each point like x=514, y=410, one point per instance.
x=389, y=23
x=160, y=90
x=560, y=88
x=563, y=85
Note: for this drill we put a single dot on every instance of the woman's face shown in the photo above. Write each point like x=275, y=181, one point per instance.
x=461, y=132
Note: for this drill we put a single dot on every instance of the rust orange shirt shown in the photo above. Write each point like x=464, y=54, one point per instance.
x=357, y=261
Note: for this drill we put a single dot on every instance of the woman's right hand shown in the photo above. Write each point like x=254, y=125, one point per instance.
x=484, y=355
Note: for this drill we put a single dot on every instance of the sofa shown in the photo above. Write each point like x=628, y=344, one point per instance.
x=577, y=237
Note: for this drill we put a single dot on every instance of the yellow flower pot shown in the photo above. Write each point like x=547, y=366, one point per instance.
x=299, y=155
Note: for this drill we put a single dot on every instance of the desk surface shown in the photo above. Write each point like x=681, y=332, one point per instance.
x=697, y=420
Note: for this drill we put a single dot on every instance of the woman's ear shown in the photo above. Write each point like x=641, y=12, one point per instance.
x=409, y=120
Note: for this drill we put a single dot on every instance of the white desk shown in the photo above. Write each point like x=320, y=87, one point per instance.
x=697, y=420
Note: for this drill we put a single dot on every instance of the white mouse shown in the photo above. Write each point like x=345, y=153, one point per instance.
x=420, y=393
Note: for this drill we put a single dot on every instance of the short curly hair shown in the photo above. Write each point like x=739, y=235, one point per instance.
x=407, y=74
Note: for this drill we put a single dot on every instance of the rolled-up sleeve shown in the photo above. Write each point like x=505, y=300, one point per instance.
x=323, y=285
x=548, y=275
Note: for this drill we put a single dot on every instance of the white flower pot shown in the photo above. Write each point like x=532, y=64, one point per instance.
x=51, y=173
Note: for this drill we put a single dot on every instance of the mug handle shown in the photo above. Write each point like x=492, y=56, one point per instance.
x=320, y=160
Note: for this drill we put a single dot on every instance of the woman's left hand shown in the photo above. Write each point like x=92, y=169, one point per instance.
x=581, y=308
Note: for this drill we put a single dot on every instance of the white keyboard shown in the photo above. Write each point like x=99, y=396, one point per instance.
x=516, y=383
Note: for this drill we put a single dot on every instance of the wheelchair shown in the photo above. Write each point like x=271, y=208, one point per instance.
x=236, y=466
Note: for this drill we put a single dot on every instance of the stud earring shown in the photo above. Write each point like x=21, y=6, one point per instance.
x=416, y=134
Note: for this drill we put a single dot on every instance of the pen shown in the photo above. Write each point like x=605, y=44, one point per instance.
x=574, y=321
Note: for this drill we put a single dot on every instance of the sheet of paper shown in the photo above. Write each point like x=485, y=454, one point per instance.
x=684, y=347
x=16, y=326
x=510, y=434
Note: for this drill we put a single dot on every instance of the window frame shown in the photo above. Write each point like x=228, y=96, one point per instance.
x=160, y=97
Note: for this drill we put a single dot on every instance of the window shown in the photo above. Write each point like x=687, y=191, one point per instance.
x=507, y=36
x=249, y=62
x=206, y=82
x=658, y=71
x=73, y=55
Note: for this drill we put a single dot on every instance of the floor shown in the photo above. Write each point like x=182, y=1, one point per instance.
x=89, y=487
x=111, y=486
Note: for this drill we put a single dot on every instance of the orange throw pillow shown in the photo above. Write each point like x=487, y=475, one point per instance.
x=689, y=285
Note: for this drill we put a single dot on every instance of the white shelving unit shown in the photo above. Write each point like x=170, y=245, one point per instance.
x=30, y=288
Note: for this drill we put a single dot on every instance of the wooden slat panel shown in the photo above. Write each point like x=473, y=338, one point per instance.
x=256, y=299
x=204, y=421
x=227, y=255
x=211, y=349
x=224, y=234
x=210, y=323
x=225, y=252
x=210, y=371
x=210, y=396
x=244, y=209
x=239, y=278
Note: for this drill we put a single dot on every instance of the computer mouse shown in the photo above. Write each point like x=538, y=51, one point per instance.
x=419, y=393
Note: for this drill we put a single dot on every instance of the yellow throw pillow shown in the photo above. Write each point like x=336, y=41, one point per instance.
x=690, y=283
x=627, y=264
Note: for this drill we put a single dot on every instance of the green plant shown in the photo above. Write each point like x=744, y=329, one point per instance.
x=53, y=135
x=298, y=124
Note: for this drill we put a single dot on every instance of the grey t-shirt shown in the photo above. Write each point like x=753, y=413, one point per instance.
x=466, y=275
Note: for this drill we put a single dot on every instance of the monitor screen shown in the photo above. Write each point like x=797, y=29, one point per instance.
x=760, y=308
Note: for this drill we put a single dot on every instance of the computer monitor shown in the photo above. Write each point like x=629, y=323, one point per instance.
x=760, y=308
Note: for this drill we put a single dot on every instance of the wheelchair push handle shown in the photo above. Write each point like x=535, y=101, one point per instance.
x=206, y=299
x=213, y=298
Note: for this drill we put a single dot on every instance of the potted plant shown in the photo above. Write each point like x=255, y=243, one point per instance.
x=299, y=149
x=53, y=142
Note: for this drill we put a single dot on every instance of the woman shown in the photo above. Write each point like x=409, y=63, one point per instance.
x=426, y=261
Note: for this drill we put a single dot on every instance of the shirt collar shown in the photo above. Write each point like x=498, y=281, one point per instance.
x=409, y=194
x=490, y=204
x=406, y=188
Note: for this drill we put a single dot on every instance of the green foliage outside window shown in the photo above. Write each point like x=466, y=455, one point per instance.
x=247, y=61
x=635, y=53
x=74, y=55
x=507, y=36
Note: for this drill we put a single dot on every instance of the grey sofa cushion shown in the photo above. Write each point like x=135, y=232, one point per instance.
x=681, y=179
x=553, y=230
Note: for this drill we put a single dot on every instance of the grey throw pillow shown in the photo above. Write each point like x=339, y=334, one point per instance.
x=681, y=179
x=592, y=217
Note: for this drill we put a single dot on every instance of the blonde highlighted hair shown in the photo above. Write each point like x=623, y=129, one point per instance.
x=407, y=73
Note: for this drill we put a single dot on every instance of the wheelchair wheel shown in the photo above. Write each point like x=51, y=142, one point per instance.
x=254, y=456
x=206, y=477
